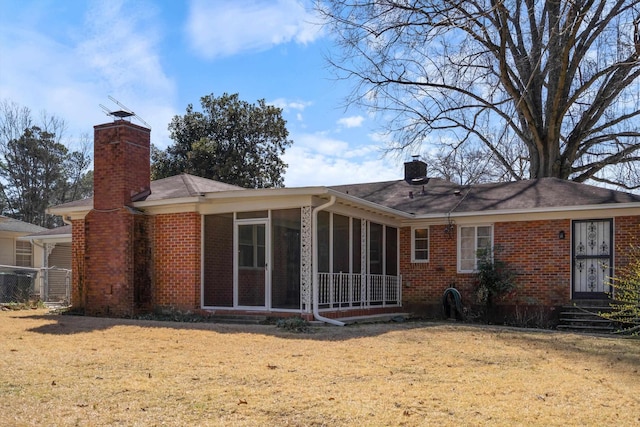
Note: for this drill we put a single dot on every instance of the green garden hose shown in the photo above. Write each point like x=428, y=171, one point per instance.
x=451, y=299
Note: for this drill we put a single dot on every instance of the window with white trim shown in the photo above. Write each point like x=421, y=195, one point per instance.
x=471, y=239
x=420, y=244
x=24, y=254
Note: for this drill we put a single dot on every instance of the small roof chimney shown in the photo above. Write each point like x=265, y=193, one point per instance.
x=415, y=171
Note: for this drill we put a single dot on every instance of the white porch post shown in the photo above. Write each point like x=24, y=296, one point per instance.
x=364, y=251
x=44, y=292
x=305, y=258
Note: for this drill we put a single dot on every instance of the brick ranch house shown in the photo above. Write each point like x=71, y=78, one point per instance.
x=188, y=243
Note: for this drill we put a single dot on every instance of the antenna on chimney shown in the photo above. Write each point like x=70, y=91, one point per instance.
x=122, y=114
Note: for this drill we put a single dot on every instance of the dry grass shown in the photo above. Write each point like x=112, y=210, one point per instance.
x=67, y=370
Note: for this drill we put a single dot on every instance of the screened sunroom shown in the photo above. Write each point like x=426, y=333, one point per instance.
x=262, y=260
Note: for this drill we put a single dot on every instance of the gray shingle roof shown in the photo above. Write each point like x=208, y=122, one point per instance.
x=173, y=187
x=186, y=185
x=58, y=231
x=440, y=196
x=17, y=226
x=434, y=196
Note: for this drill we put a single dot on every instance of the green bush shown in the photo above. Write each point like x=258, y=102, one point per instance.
x=626, y=302
x=494, y=278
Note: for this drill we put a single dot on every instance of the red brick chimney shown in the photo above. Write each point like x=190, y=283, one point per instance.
x=112, y=228
x=122, y=171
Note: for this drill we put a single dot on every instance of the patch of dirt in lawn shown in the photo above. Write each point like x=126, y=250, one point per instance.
x=72, y=370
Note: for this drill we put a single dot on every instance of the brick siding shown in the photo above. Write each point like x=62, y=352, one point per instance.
x=533, y=249
x=124, y=262
x=177, y=260
x=627, y=232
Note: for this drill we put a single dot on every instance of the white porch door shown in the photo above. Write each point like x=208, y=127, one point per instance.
x=592, y=253
x=251, y=281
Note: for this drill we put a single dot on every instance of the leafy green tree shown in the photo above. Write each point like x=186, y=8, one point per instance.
x=77, y=182
x=36, y=169
x=626, y=284
x=32, y=170
x=230, y=141
x=560, y=77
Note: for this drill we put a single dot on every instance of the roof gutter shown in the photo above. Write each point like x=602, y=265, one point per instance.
x=555, y=209
x=314, y=263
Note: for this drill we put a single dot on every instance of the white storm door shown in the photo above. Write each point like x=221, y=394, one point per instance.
x=252, y=264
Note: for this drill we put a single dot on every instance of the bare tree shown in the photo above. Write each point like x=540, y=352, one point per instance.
x=463, y=166
x=36, y=168
x=561, y=76
x=14, y=119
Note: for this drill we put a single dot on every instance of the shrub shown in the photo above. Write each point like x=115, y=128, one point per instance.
x=494, y=278
x=294, y=324
x=626, y=285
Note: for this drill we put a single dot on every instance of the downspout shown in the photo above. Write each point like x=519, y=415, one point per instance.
x=314, y=263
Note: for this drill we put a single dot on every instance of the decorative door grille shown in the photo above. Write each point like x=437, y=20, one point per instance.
x=592, y=253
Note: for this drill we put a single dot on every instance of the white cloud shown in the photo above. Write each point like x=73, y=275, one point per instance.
x=291, y=106
x=288, y=106
x=322, y=144
x=114, y=52
x=316, y=159
x=217, y=29
x=351, y=122
x=122, y=49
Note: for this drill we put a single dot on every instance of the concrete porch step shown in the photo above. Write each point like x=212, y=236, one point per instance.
x=582, y=316
x=239, y=319
x=589, y=320
x=587, y=328
x=375, y=318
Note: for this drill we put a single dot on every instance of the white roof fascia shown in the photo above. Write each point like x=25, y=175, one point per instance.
x=219, y=206
x=74, y=211
x=632, y=208
x=267, y=192
x=165, y=202
x=55, y=238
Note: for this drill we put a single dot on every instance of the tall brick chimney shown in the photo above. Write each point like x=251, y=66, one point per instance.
x=113, y=229
x=121, y=157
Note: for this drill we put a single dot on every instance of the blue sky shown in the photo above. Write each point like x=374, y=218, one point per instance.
x=156, y=57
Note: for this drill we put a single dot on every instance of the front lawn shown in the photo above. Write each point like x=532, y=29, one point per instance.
x=71, y=370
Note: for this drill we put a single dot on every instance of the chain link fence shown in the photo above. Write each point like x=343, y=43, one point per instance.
x=18, y=285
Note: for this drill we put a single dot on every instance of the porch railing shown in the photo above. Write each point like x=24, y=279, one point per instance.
x=342, y=291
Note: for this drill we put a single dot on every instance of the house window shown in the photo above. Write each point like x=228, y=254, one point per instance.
x=420, y=245
x=24, y=254
x=251, y=246
x=471, y=239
